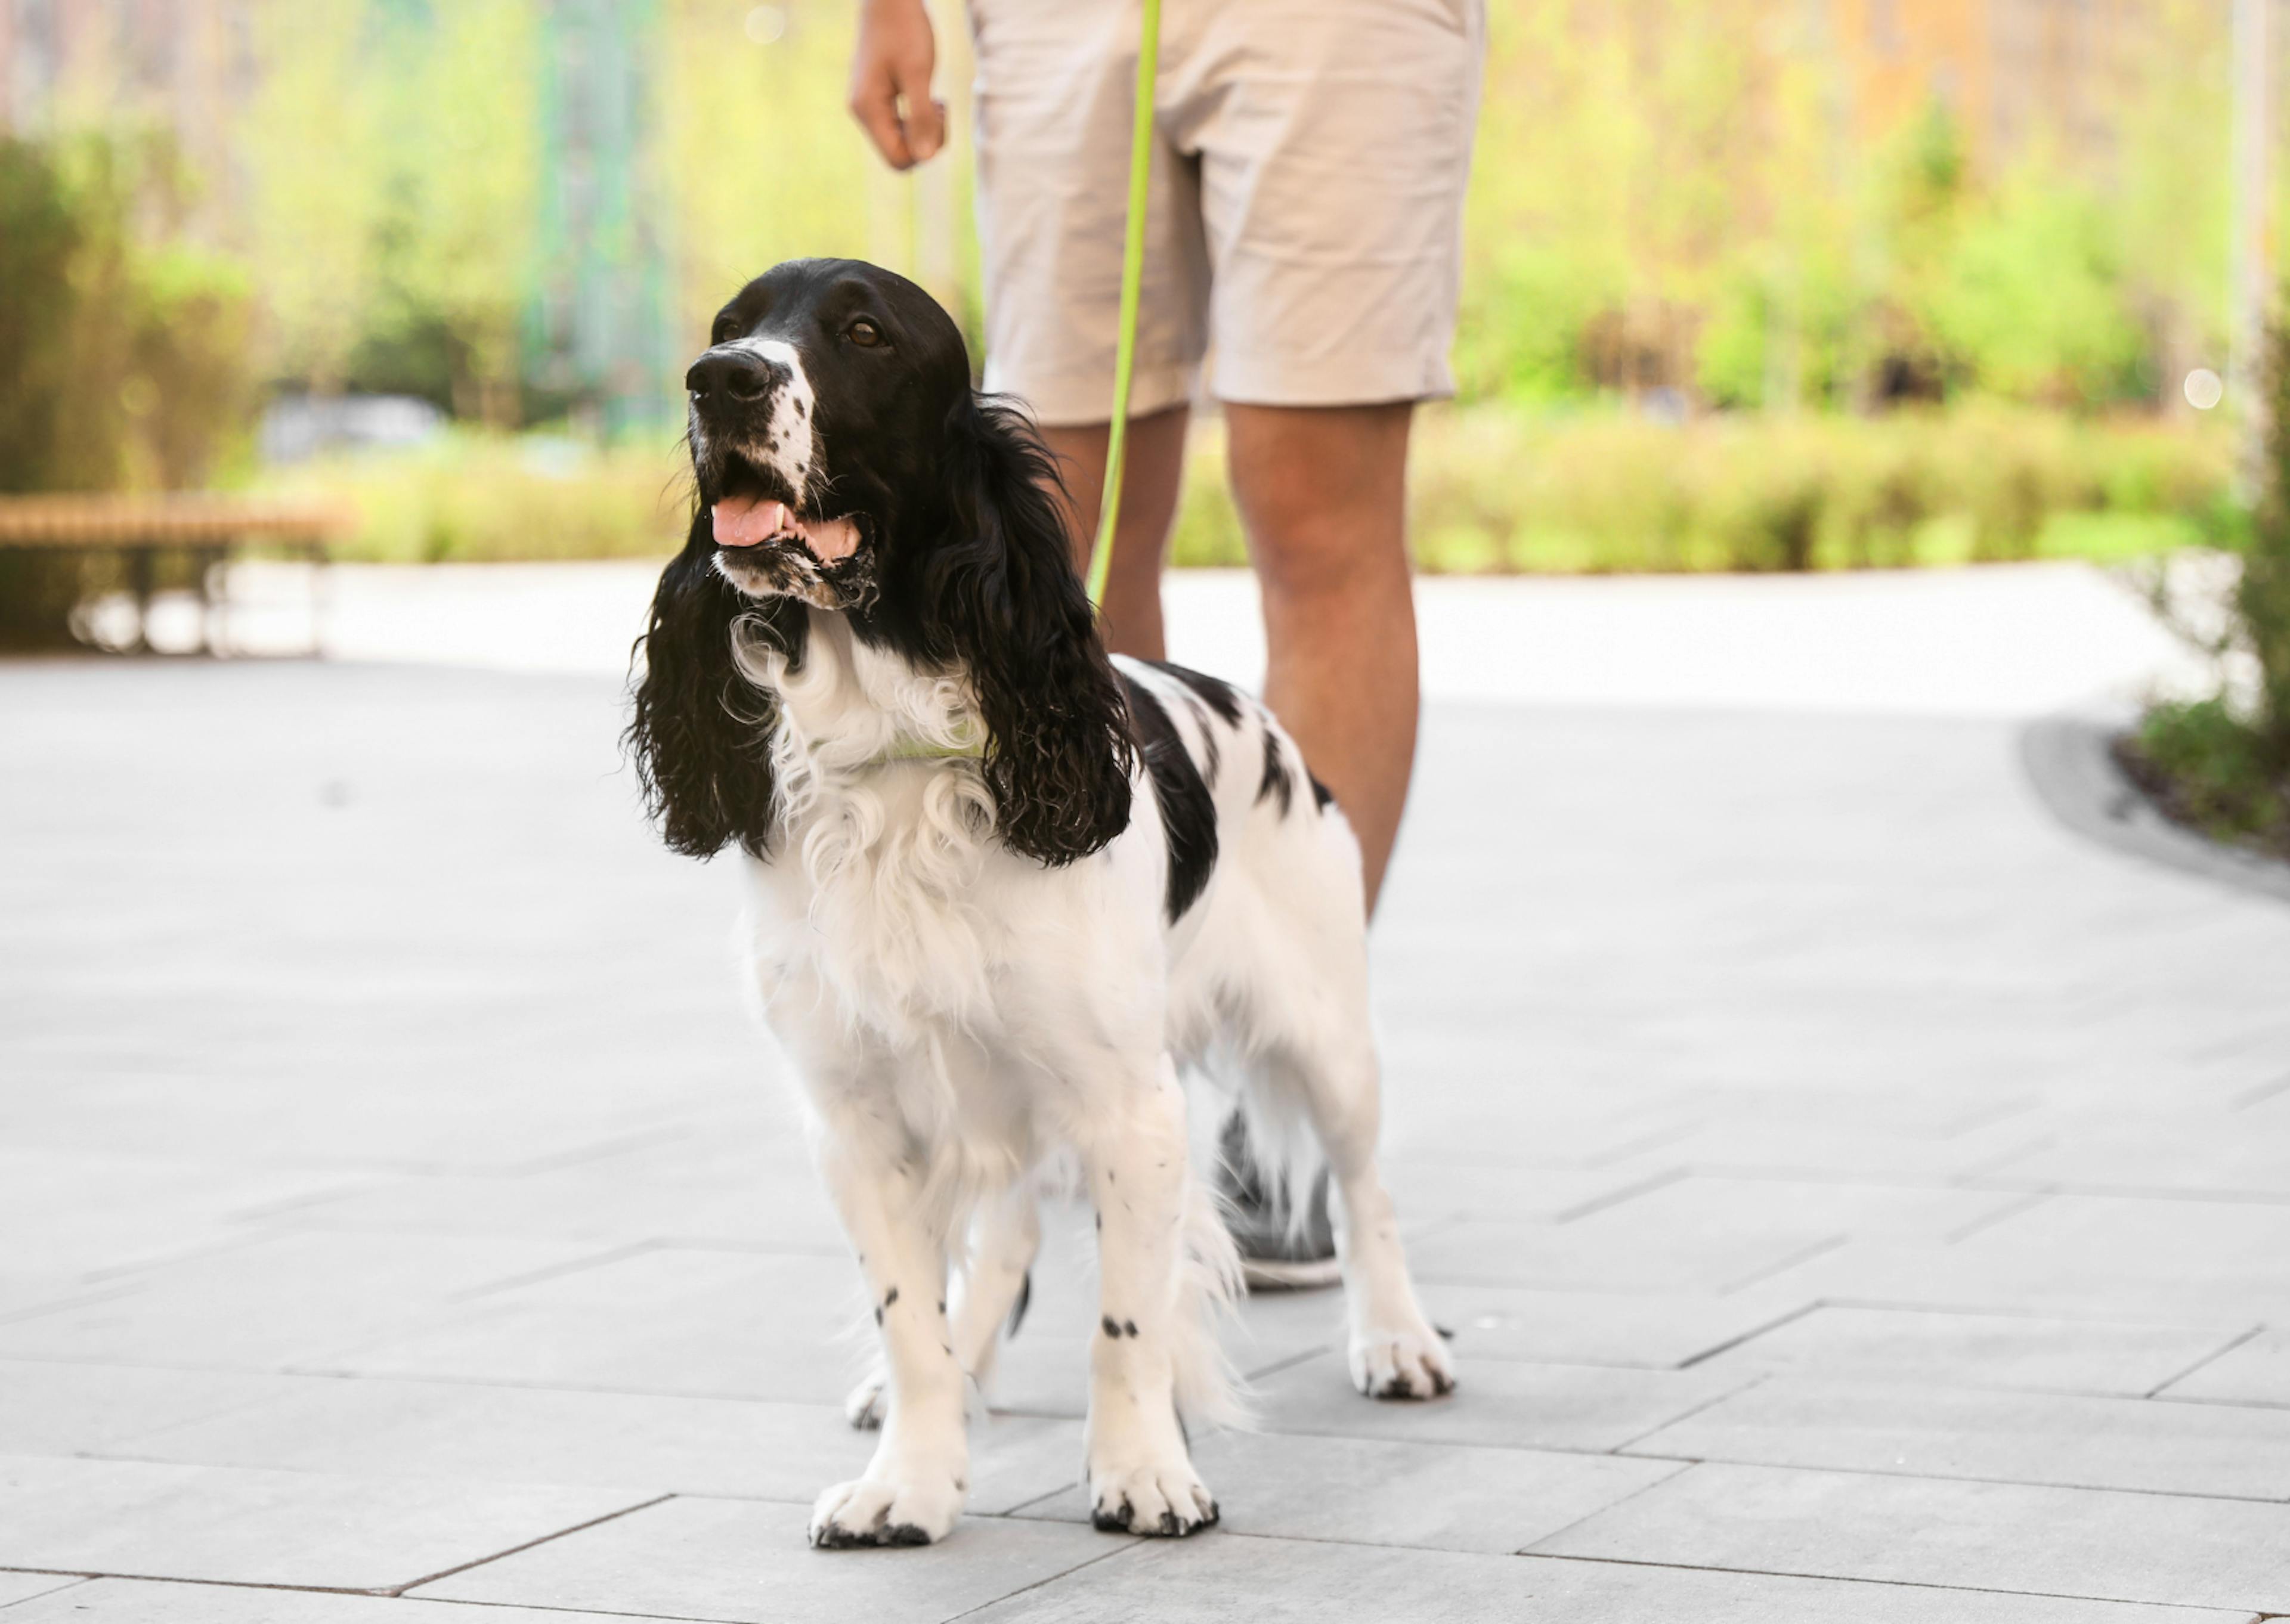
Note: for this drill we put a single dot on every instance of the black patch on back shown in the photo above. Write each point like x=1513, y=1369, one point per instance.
x=1217, y=695
x=1275, y=781
x=1211, y=756
x=1321, y=794
x=1187, y=815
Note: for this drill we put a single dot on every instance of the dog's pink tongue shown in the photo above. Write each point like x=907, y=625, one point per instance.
x=831, y=540
x=744, y=521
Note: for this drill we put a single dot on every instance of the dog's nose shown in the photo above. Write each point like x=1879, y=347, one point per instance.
x=737, y=374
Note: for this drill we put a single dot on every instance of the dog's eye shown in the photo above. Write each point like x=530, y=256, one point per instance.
x=722, y=332
x=864, y=333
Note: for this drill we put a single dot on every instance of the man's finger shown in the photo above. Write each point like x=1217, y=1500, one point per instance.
x=874, y=103
x=925, y=118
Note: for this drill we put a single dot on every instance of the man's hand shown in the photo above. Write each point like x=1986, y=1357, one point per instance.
x=890, y=75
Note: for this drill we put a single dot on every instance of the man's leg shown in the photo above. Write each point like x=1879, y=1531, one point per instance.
x=1322, y=491
x=1130, y=616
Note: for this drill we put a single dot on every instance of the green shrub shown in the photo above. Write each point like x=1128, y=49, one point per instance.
x=2223, y=763
x=2210, y=768
x=1494, y=490
x=477, y=497
x=1497, y=489
x=122, y=365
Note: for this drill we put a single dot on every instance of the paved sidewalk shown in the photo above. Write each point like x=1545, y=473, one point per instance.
x=1999, y=640
x=1854, y=1198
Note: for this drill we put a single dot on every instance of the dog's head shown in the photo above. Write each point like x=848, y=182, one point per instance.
x=844, y=463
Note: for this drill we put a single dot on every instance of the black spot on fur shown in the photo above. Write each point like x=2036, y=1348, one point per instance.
x=1018, y=1308
x=904, y=1533
x=1111, y=1329
x=1212, y=754
x=879, y=1316
x=1129, y=1326
x=1322, y=797
x=1275, y=781
x=1187, y=815
x=1218, y=695
x=890, y=1296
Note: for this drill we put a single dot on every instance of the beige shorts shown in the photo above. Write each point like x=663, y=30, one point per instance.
x=1306, y=200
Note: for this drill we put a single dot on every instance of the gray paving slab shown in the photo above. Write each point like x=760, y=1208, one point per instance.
x=1508, y=1402
x=270, y=1300
x=1928, y=1431
x=135, y=1601
x=1753, y=1143
x=720, y=1323
x=1659, y=1329
x=2103, y=1256
x=1696, y=1232
x=2087, y=1542
x=1431, y=1190
x=2129, y=1358
x=1730, y=1056
x=88, y=1213
x=2253, y=1373
x=48, y=1408
x=2163, y=1150
x=376, y=1427
x=742, y=1560
x=1425, y=1496
x=16, y=1588
x=1208, y=1581
x=235, y=1526
x=599, y=1201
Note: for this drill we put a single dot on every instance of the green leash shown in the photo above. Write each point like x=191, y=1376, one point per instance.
x=1132, y=282
x=1125, y=362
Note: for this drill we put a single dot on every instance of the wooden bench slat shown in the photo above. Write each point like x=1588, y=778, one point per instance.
x=187, y=519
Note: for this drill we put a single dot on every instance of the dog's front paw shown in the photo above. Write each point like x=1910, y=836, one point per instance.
x=1166, y=1498
x=863, y=1409
x=1412, y=1363
x=919, y=1509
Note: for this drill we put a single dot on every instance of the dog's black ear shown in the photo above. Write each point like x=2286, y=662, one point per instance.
x=1005, y=600
x=700, y=733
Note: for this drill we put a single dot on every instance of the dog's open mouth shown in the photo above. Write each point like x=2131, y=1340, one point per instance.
x=745, y=517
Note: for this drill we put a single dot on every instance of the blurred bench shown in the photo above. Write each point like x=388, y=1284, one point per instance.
x=209, y=528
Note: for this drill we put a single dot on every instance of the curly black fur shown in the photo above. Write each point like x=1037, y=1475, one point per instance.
x=1001, y=598
x=700, y=732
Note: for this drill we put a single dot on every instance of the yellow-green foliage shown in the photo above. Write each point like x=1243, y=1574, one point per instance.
x=482, y=497
x=1493, y=491
x=1497, y=491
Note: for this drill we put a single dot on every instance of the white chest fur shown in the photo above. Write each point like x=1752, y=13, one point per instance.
x=873, y=890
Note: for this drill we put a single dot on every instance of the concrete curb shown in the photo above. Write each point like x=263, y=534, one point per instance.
x=2074, y=773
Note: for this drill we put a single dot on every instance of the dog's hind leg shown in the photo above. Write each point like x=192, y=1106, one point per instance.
x=1393, y=1352
x=1293, y=957
x=1004, y=1239
x=1161, y=1257
x=988, y=1294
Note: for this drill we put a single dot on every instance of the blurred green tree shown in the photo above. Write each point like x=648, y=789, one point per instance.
x=123, y=359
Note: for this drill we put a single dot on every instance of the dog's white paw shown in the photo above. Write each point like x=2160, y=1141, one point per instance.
x=891, y=1509
x=1164, y=1498
x=1412, y=1363
x=863, y=1409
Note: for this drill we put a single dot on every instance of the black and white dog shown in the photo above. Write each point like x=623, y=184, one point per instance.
x=1005, y=892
